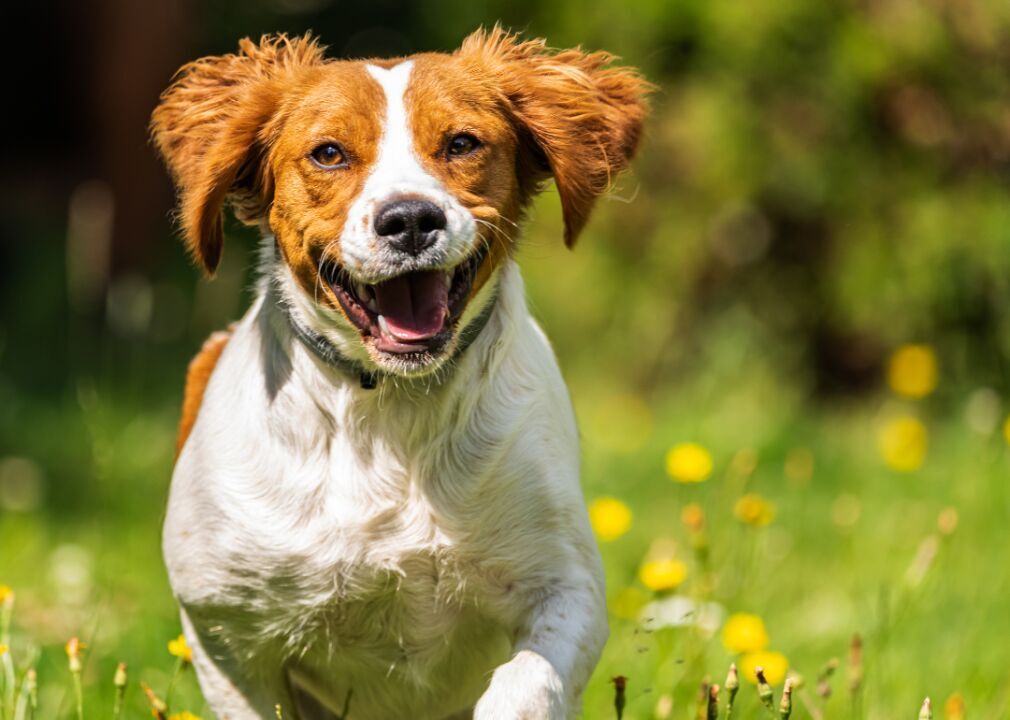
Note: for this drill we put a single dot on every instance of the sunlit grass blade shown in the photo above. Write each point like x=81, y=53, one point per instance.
x=765, y=692
x=73, y=650
x=732, y=687
x=158, y=707
x=119, y=681
x=713, y=703
x=28, y=697
x=786, y=705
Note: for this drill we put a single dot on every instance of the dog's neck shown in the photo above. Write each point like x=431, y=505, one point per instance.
x=319, y=342
x=369, y=378
x=306, y=398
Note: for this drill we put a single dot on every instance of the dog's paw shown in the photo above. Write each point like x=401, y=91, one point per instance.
x=525, y=688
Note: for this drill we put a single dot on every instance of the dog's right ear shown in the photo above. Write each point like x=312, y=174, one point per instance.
x=213, y=128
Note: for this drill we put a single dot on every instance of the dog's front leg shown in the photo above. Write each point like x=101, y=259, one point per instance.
x=556, y=649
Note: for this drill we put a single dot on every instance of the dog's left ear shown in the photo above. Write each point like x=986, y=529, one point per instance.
x=213, y=127
x=579, y=117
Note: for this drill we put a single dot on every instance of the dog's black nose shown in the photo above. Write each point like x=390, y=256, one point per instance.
x=410, y=226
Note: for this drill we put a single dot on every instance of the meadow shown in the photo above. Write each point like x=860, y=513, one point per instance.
x=786, y=336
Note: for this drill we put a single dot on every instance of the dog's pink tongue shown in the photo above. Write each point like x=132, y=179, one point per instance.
x=414, y=305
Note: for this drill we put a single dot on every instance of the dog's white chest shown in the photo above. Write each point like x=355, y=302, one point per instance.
x=356, y=600
x=390, y=545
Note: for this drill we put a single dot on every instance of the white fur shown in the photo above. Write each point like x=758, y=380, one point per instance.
x=398, y=172
x=422, y=546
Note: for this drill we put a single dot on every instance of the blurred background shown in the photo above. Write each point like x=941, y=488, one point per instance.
x=798, y=297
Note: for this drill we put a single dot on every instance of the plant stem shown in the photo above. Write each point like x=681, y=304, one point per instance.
x=171, y=683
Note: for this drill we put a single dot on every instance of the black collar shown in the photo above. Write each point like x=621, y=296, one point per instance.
x=325, y=350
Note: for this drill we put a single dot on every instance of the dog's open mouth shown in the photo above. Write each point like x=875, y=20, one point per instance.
x=410, y=313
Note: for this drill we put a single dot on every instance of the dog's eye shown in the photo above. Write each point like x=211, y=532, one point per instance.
x=328, y=155
x=462, y=144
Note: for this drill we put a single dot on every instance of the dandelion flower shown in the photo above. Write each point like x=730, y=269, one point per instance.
x=775, y=666
x=184, y=715
x=662, y=574
x=693, y=517
x=688, y=463
x=744, y=633
x=953, y=709
x=73, y=649
x=181, y=649
x=609, y=517
x=912, y=371
x=754, y=510
x=3, y=649
x=903, y=442
x=946, y=521
x=5, y=594
x=1006, y=430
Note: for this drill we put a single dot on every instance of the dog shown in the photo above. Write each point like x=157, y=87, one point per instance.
x=375, y=510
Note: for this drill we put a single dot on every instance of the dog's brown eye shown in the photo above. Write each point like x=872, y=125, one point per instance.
x=328, y=155
x=463, y=144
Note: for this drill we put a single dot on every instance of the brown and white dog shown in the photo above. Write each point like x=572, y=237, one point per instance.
x=376, y=503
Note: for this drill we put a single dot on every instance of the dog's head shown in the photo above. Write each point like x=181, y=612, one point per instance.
x=393, y=188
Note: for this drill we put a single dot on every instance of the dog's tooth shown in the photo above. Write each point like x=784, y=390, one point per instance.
x=361, y=290
x=371, y=304
x=383, y=326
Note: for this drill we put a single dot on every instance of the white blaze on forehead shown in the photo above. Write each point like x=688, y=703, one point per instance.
x=398, y=172
x=397, y=163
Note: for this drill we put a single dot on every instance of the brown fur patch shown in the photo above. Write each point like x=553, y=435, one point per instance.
x=213, y=126
x=580, y=116
x=339, y=103
x=448, y=96
x=197, y=376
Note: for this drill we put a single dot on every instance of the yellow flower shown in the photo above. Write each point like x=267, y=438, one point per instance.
x=912, y=371
x=688, y=463
x=693, y=517
x=903, y=442
x=6, y=595
x=184, y=715
x=946, y=521
x=754, y=510
x=3, y=649
x=609, y=517
x=1006, y=430
x=953, y=709
x=744, y=633
x=775, y=666
x=181, y=649
x=73, y=648
x=662, y=574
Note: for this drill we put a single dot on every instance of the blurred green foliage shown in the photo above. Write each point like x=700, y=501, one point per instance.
x=820, y=182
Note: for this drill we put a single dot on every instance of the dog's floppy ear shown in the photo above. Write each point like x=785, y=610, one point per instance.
x=213, y=128
x=580, y=118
